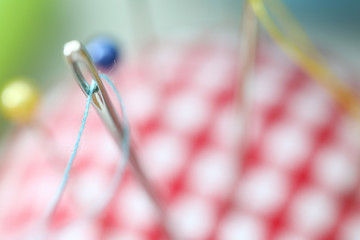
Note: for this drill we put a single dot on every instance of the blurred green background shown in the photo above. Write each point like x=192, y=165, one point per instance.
x=32, y=32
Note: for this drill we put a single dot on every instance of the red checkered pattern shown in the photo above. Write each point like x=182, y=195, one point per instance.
x=296, y=177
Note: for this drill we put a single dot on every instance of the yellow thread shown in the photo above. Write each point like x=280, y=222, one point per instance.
x=290, y=26
x=314, y=67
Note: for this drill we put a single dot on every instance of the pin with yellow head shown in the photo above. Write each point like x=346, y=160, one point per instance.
x=19, y=100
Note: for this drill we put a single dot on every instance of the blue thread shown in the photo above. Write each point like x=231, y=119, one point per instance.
x=125, y=148
x=73, y=155
x=126, y=142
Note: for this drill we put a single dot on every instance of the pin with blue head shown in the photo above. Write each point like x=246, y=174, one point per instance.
x=104, y=52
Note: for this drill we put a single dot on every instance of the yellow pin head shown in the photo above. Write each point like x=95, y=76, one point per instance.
x=18, y=100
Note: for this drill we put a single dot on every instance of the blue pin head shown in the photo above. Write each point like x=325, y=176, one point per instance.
x=104, y=52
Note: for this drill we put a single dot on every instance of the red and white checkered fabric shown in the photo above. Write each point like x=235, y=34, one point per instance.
x=296, y=177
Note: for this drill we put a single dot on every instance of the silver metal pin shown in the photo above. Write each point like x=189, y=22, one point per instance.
x=75, y=54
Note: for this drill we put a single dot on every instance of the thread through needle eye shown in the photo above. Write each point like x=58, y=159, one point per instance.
x=76, y=54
